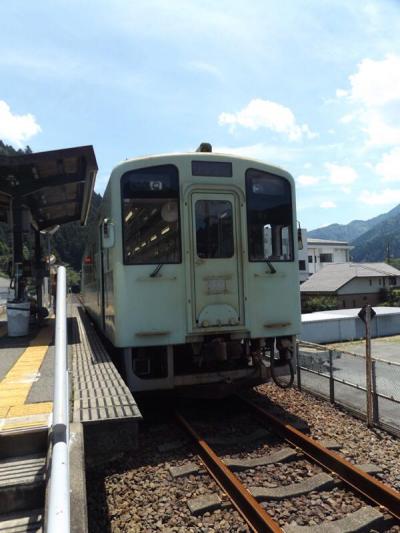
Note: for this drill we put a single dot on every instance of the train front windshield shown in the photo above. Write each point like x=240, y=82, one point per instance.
x=150, y=215
x=269, y=217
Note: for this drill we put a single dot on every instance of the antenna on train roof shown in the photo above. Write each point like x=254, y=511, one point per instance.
x=204, y=147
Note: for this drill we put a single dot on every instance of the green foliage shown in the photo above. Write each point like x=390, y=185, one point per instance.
x=318, y=303
x=70, y=240
x=73, y=278
x=389, y=297
x=7, y=149
x=394, y=262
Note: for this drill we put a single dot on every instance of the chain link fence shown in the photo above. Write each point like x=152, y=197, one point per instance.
x=340, y=376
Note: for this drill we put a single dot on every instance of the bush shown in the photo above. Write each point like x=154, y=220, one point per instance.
x=318, y=303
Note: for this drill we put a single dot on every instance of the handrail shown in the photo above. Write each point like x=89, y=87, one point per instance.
x=58, y=515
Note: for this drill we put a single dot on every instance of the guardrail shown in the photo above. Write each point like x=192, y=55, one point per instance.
x=58, y=513
x=340, y=375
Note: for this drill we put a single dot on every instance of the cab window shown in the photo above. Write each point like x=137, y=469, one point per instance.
x=150, y=215
x=269, y=217
x=214, y=229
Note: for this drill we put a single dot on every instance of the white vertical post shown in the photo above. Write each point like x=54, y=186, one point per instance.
x=58, y=518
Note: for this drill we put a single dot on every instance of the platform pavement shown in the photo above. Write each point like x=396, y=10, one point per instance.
x=98, y=393
x=26, y=378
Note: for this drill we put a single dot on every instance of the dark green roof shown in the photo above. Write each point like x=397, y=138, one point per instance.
x=56, y=186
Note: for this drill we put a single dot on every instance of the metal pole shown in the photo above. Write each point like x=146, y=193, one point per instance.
x=331, y=380
x=38, y=271
x=368, y=364
x=375, y=397
x=298, y=369
x=59, y=498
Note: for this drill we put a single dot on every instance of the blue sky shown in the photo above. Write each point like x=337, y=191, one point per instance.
x=310, y=85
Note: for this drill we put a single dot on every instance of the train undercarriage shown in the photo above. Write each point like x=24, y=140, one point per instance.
x=215, y=367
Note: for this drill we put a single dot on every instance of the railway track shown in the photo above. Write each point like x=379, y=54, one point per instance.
x=382, y=499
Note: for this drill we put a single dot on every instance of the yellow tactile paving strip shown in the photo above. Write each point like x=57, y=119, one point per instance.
x=15, y=387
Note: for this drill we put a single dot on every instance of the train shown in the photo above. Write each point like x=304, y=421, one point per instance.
x=191, y=271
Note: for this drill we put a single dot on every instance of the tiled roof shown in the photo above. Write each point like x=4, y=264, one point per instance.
x=325, y=242
x=331, y=277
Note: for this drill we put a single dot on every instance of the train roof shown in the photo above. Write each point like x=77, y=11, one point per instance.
x=205, y=155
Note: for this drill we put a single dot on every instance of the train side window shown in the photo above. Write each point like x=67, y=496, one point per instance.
x=214, y=229
x=150, y=215
x=269, y=217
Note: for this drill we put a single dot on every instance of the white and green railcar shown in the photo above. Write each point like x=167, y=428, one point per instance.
x=192, y=270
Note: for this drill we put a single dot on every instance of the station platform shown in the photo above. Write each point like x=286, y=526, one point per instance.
x=103, y=414
x=98, y=393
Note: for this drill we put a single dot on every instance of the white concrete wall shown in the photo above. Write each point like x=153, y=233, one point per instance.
x=339, y=255
x=367, y=285
x=348, y=328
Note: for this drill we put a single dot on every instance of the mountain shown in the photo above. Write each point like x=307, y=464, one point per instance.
x=353, y=230
x=381, y=240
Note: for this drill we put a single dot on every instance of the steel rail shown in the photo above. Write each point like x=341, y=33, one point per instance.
x=256, y=517
x=360, y=481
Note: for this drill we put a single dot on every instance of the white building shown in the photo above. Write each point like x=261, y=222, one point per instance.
x=317, y=253
x=303, y=258
x=321, y=252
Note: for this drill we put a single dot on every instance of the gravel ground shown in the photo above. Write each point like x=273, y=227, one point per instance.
x=137, y=493
x=359, y=444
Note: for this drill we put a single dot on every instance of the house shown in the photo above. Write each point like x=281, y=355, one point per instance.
x=317, y=253
x=352, y=284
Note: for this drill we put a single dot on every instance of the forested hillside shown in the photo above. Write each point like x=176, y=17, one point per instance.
x=380, y=242
x=354, y=229
x=375, y=239
x=68, y=242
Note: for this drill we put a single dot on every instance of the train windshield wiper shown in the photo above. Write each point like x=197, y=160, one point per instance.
x=271, y=267
x=156, y=270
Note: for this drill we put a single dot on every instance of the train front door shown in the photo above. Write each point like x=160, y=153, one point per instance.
x=216, y=265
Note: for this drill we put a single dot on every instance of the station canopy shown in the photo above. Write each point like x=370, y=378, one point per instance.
x=56, y=186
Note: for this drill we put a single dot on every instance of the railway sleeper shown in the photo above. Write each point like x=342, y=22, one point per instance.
x=280, y=456
x=360, y=521
x=319, y=482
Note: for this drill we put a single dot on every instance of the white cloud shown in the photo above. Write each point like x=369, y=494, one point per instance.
x=376, y=83
x=389, y=166
x=341, y=174
x=16, y=129
x=379, y=130
x=375, y=91
x=328, y=204
x=385, y=197
x=340, y=93
x=205, y=68
x=307, y=181
x=346, y=119
x=269, y=115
